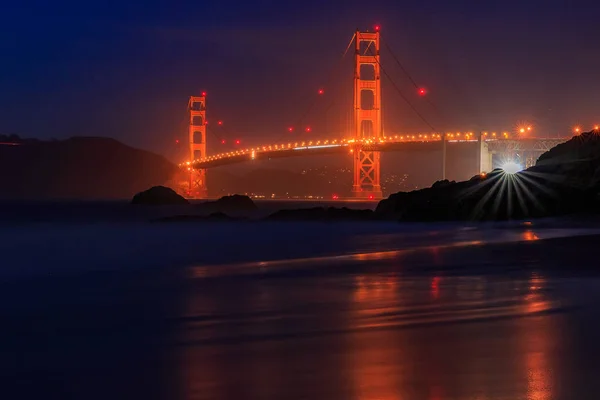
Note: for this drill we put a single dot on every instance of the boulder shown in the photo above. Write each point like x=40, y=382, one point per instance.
x=158, y=195
x=236, y=204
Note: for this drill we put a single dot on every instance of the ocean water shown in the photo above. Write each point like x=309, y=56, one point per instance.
x=97, y=301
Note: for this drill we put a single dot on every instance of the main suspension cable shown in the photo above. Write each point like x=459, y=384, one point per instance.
x=402, y=95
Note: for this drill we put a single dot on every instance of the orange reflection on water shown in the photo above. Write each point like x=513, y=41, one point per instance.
x=535, y=301
x=377, y=255
x=529, y=236
x=370, y=288
x=435, y=287
x=539, y=379
x=375, y=362
x=537, y=341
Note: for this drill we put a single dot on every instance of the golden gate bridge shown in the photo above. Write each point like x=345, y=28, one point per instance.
x=367, y=140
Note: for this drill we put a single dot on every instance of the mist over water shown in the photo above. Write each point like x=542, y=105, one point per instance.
x=97, y=302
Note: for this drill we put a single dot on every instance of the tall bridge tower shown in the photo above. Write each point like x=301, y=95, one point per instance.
x=367, y=117
x=197, y=141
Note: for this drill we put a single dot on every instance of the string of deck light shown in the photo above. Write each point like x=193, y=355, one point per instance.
x=316, y=144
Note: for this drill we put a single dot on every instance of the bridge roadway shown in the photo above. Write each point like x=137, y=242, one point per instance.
x=431, y=142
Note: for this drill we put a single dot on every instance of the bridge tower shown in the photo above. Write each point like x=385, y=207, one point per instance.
x=367, y=117
x=197, y=141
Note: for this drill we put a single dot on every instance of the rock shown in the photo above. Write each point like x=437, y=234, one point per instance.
x=236, y=204
x=442, y=183
x=158, y=195
x=574, y=162
x=321, y=214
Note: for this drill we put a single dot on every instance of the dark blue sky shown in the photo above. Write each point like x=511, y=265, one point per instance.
x=125, y=69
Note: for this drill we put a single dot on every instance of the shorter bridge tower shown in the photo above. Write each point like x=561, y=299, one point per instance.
x=367, y=117
x=197, y=141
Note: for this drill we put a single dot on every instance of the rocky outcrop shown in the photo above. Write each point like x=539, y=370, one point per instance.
x=575, y=163
x=566, y=180
x=157, y=196
x=236, y=204
x=322, y=214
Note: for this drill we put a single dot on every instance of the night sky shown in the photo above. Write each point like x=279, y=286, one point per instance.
x=125, y=69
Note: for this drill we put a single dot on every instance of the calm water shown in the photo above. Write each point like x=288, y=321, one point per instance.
x=129, y=309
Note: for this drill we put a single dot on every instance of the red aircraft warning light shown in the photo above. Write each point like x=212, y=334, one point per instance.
x=307, y=129
x=371, y=197
x=422, y=92
x=176, y=141
x=237, y=141
x=203, y=94
x=220, y=122
x=321, y=91
x=377, y=28
x=291, y=129
x=223, y=141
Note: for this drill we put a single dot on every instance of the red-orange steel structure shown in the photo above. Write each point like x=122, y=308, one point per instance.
x=367, y=117
x=197, y=140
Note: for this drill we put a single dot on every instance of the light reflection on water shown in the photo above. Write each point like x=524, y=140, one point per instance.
x=390, y=247
x=358, y=326
x=370, y=336
x=537, y=338
x=392, y=365
x=529, y=236
x=461, y=314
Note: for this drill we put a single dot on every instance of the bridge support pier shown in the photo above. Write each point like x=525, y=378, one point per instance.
x=484, y=156
x=197, y=140
x=443, y=156
x=367, y=174
x=367, y=117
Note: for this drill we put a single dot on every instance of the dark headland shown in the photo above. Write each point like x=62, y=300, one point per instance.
x=78, y=168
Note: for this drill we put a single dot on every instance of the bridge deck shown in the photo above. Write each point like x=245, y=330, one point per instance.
x=396, y=143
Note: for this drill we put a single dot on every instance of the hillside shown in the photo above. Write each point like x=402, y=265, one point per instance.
x=78, y=168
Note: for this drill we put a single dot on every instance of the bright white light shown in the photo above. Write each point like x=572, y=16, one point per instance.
x=317, y=147
x=511, y=167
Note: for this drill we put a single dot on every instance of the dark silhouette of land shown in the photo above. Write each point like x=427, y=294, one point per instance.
x=78, y=168
x=565, y=180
